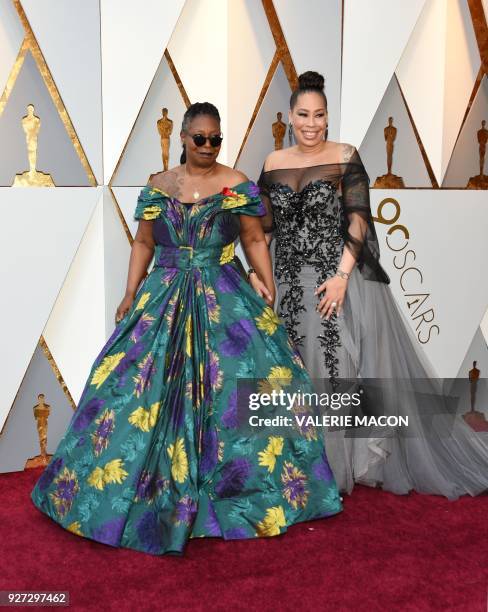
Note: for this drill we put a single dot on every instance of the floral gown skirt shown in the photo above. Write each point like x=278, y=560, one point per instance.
x=155, y=453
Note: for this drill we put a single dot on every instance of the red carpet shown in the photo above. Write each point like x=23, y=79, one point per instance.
x=382, y=553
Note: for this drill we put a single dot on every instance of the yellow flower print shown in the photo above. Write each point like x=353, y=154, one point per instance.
x=112, y=472
x=172, y=306
x=227, y=254
x=213, y=308
x=179, y=460
x=270, y=525
x=151, y=212
x=281, y=374
x=234, y=199
x=144, y=419
x=306, y=430
x=105, y=368
x=267, y=457
x=268, y=321
x=75, y=528
x=189, y=336
x=294, y=485
x=157, y=190
x=278, y=377
x=142, y=301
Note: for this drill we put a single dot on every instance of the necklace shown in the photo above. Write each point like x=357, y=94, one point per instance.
x=196, y=193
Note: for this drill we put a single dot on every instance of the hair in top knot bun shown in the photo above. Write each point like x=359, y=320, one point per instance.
x=309, y=81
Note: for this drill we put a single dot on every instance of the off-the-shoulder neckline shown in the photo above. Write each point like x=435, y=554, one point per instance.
x=201, y=200
x=312, y=166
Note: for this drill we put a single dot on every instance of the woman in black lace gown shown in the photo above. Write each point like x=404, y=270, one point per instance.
x=335, y=300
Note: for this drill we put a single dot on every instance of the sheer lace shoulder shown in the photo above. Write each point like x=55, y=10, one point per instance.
x=343, y=176
x=167, y=181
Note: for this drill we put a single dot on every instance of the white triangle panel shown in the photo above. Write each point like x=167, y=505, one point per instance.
x=407, y=158
x=127, y=200
x=250, y=52
x=116, y=259
x=11, y=36
x=484, y=326
x=462, y=66
x=443, y=318
x=35, y=268
x=76, y=328
x=134, y=37
x=316, y=46
x=375, y=35
x=199, y=50
x=437, y=73
x=142, y=155
x=68, y=34
x=260, y=141
x=465, y=159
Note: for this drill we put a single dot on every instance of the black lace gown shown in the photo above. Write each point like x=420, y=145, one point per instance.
x=313, y=214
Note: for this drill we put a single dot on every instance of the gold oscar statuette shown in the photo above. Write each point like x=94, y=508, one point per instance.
x=481, y=180
x=389, y=180
x=41, y=414
x=474, y=418
x=165, y=129
x=31, y=124
x=279, y=130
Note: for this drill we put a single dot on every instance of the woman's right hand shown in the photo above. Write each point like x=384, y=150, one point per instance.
x=124, y=307
x=261, y=289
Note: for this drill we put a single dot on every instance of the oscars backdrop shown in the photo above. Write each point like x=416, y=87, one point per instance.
x=94, y=92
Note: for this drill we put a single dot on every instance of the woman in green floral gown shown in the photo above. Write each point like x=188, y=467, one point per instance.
x=156, y=452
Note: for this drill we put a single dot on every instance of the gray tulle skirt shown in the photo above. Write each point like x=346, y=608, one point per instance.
x=438, y=452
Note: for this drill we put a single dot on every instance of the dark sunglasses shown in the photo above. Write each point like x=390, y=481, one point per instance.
x=200, y=140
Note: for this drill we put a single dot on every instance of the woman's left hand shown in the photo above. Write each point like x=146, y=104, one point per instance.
x=335, y=293
x=261, y=289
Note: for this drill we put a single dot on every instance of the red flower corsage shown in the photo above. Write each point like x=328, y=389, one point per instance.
x=229, y=193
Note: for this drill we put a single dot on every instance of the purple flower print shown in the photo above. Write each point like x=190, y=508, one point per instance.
x=141, y=327
x=150, y=532
x=234, y=475
x=230, y=418
x=228, y=280
x=129, y=358
x=109, y=532
x=236, y=533
x=50, y=473
x=66, y=489
x=85, y=415
x=238, y=338
x=228, y=228
x=149, y=486
x=210, y=451
x=101, y=435
x=146, y=372
x=253, y=190
x=186, y=510
x=162, y=233
x=294, y=486
x=212, y=523
x=321, y=469
x=214, y=372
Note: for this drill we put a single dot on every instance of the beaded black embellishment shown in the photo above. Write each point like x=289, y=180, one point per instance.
x=307, y=233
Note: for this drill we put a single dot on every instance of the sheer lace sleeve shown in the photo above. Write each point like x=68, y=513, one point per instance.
x=358, y=227
x=267, y=220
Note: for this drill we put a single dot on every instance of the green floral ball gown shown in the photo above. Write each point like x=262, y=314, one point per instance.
x=154, y=453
